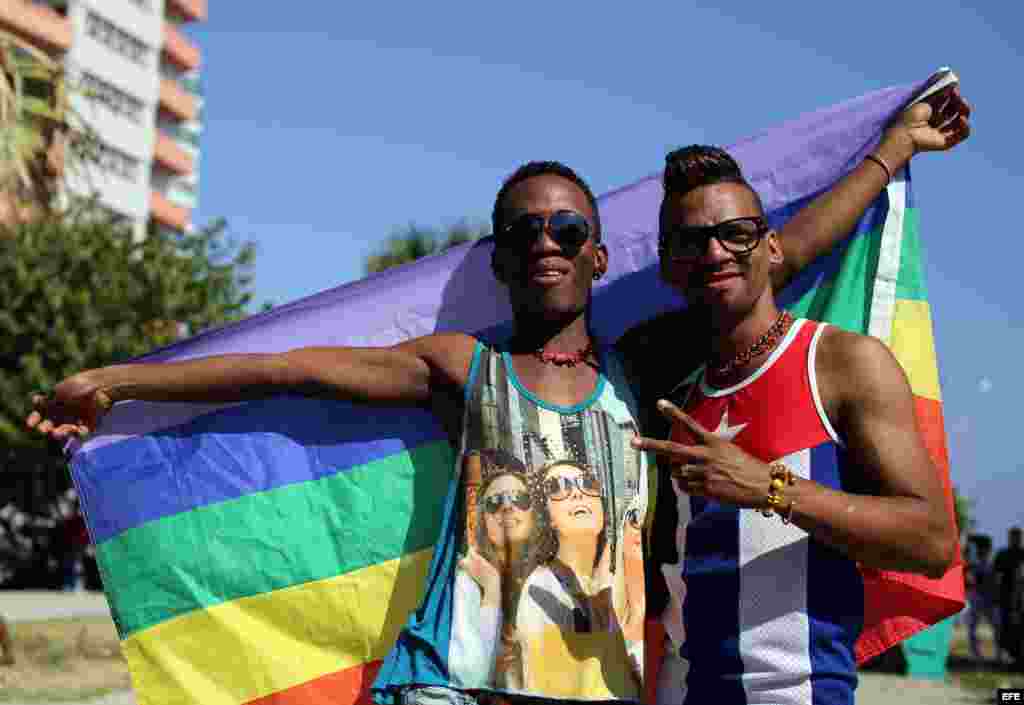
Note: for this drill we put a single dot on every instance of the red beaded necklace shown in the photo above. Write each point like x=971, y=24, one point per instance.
x=560, y=359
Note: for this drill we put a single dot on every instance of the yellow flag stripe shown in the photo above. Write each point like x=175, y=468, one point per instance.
x=913, y=344
x=266, y=643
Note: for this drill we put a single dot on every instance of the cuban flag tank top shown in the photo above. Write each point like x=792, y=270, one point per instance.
x=760, y=612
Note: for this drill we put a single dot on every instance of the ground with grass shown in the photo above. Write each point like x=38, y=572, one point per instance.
x=64, y=660
x=79, y=661
x=984, y=677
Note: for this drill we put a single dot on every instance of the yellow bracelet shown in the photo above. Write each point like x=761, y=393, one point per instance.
x=781, y=477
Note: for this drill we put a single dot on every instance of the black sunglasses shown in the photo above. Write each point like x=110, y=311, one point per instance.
x=567, y=228
x=738, y=236
x=519, y=500
x=559, y=487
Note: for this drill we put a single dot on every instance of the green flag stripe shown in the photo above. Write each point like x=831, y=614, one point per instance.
x=356, y=519
x=845, y=299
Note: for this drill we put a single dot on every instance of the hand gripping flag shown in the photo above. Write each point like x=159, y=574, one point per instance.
x=270, y=551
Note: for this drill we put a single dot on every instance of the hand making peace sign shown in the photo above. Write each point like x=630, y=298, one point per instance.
x=708, y=466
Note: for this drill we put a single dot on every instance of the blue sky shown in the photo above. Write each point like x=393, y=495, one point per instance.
x=329, y=124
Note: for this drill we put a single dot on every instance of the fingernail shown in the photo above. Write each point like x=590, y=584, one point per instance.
x=635, y=443
x=663, y=403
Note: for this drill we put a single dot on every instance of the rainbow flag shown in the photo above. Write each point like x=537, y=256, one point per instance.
x=270, y=551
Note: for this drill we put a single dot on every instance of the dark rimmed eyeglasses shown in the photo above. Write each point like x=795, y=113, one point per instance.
x=738, y=236
x=520, y=500
x=569, y=229
x=559, y=487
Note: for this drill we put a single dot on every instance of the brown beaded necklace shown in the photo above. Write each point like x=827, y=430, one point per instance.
x=766, y=342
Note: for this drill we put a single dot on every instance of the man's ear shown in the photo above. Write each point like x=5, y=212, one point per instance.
x=775, y=255
x=600, y=260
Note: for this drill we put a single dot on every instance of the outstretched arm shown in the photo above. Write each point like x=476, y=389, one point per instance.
x=937, y=125
x=403, y=374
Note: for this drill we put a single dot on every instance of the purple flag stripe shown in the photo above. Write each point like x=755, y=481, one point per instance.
x=139, y=418
x=457, y=291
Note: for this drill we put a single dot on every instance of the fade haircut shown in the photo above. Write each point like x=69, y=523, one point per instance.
x=532, y=169
x=699, y=165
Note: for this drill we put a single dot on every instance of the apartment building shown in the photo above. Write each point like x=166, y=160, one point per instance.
x=136, y=79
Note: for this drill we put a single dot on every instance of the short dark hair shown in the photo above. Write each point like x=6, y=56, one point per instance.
x=699, y=165
x=540, y=168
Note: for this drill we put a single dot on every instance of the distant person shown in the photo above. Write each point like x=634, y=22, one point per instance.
x=1007, y=568
x=981, y=596
x=73, y=539
x=6, y=644
x=8, y=554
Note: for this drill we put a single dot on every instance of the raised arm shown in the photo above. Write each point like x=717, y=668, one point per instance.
x=815, y=229
x=407, y=373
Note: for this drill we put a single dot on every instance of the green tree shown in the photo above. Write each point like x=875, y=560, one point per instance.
x=414, y=242
x=81, y=292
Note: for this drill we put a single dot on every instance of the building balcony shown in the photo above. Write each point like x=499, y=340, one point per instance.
x=166, y=213
x=191, y=10
x=179, y=50
x=168, y=154
x=38, y=24
x=176, y=101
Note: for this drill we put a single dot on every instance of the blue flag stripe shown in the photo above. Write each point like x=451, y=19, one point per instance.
x=239, y=451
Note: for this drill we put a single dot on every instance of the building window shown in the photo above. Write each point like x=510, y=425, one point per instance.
x=116, y=39
x=114, y=161
x=116, y=100
x=186, y=187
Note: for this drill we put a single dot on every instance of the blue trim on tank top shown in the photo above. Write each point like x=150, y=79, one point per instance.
x=474, y=367
x=589, y=401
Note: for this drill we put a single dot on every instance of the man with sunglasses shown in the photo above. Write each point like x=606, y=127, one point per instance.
x=813, y=464
x=546, y=394
x=549, y=380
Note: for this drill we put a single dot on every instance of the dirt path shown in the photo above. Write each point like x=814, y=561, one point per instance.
x=38, y=605
x=887, y=689
x=874, y=689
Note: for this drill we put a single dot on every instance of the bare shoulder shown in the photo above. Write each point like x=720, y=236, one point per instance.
x=852, y=366
x=449, y=354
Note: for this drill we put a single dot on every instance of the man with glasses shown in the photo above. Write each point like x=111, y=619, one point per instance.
x=548, y=381
x=797, y=458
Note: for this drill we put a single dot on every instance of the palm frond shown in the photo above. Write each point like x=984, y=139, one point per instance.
x=36, y=123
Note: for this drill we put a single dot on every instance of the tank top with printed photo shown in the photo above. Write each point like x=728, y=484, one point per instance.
x=536, y=586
